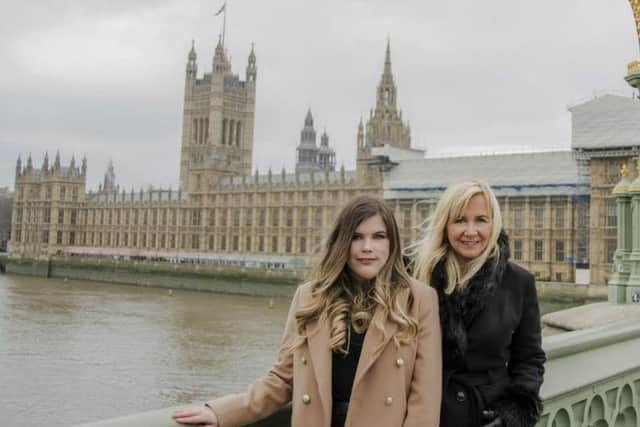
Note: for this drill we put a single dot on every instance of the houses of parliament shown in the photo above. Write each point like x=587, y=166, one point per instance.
x=557, y=205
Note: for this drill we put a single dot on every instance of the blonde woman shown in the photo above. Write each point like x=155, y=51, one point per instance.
x=361, y=345
x=492, y=354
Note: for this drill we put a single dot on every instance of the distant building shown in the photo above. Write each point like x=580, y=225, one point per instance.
x=6, y=208
x=311, y=157
x=221, y=212
x=557, y=206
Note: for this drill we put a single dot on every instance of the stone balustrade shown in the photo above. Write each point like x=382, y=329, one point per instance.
x=592, y=379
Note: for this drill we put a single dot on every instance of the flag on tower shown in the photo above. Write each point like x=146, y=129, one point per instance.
x=221, y=9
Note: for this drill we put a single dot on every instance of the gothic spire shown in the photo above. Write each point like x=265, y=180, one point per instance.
x=45, y=163
x=387, y=75
x=192, y=52
x=56, y=162
x=251, y=66
x=386, y=96
x=308, y=120
x=84, y=166
x=192, y=65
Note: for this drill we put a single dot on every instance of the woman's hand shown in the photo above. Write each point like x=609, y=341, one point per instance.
x=196, y=416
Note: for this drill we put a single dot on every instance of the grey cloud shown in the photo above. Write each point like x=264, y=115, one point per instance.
x=106, y=78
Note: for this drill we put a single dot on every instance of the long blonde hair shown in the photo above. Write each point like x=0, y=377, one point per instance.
x=334, y=294
x=434, y=247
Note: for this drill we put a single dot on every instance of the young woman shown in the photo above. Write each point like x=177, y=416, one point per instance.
x=492, y=354
x=361, y=345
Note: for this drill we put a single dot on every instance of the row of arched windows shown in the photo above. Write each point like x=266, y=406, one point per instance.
x=200, y=131
x=231, y=130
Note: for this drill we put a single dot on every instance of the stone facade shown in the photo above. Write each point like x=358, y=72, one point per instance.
x=557, y=207
x=6, y=207
x=49, y=202
x=217, y=127
x=221, y=212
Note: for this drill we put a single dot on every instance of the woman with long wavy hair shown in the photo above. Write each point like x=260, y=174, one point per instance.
x=493, y=362
x=361, y=345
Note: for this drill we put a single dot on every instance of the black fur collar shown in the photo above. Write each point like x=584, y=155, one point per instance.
x=458, y=309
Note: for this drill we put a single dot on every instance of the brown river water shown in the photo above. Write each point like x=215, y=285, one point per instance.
x=76, y=351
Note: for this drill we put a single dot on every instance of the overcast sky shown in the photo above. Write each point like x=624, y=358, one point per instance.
x=106, y=78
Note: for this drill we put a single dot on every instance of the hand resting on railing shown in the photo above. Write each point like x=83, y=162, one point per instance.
x=196, y=416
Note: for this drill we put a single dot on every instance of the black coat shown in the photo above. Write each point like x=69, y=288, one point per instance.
x=491, y=343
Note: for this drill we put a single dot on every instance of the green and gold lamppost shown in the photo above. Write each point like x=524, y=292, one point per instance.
x=633, y=68
x=621, y=265
x=633, y=284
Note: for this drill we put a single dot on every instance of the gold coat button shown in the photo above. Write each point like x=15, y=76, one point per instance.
x=399, y=362
x=388, y=401
x=304, y=360
x=306, y=399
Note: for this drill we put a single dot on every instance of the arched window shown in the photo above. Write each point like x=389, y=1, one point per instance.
x=224, y=132
x=195, y=131
x=232, y=127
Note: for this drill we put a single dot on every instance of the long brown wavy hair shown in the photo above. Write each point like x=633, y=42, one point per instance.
x=335, y=295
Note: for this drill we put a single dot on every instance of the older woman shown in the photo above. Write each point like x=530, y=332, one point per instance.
x=361, y=345
x=492, y=354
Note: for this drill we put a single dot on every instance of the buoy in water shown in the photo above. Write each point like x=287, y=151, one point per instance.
x=271, y=302
x=170, y=292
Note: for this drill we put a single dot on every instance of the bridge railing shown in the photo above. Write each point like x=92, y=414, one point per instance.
x=592, y=379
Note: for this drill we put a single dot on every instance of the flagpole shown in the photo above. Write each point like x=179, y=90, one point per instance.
x=224, y=24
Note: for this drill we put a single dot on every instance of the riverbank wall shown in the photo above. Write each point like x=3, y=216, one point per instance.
x=218, y=278
x=189, y=276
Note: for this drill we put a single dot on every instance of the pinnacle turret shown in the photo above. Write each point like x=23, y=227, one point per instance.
x=45, y=163
x=109, y=178
x=220, y=62
x=192, y=65
x=192, y=52
x=56, y=162
x=252, y=70
x=324, y=139
x=308, y=120
x=18, y=166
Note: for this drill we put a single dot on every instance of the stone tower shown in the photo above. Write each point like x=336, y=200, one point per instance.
x=47, y=206
x=307, y=151
x=384, y=126
x=310, y=157
x=326, y=154
x=218, y=118
x=109, y=184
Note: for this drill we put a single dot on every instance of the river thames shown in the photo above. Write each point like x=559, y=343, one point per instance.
x=75, y=351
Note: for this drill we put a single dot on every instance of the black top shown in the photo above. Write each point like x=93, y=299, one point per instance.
x=343, y=368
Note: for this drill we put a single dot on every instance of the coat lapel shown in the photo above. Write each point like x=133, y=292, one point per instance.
x=375, y=341
x=318, y=335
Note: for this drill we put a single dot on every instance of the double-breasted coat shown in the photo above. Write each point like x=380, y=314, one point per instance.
x=492, y=353
x=393, y=386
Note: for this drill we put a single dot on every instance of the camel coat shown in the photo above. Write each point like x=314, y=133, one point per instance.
x=393, y=387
